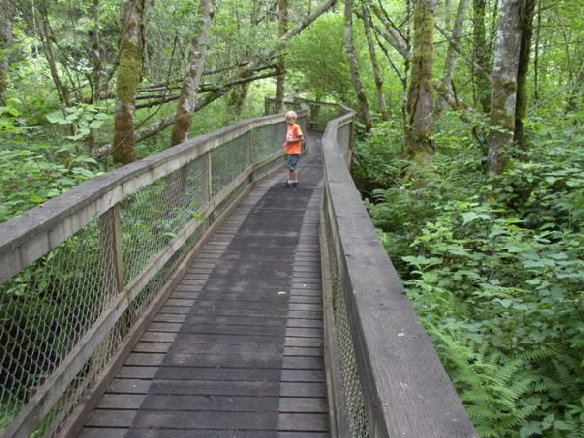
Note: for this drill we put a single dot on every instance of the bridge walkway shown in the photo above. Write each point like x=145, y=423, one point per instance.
x=237, y=348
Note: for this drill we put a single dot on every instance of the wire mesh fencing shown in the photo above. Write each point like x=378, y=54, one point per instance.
x=64, y=316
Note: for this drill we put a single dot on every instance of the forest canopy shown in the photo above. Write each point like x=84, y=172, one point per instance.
x=469, y=156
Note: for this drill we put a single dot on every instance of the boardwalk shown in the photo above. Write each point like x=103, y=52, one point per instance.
x=236, y=351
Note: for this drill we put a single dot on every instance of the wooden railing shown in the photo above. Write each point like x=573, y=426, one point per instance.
x=384, y=377
x=81, y=274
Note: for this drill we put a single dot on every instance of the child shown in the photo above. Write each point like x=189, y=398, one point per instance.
x=293, y=145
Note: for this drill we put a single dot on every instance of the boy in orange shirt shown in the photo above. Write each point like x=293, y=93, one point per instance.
x=293, y=145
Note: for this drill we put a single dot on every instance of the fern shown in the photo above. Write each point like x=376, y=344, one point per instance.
x=492, y=387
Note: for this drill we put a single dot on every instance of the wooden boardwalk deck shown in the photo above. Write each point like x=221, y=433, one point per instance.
x=237, y=349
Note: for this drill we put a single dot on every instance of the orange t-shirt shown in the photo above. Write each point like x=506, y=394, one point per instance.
x=294, y=137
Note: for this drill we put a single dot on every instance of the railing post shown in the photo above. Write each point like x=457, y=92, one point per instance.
x=111, y=250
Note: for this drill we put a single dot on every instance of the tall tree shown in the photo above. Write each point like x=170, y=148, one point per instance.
x=5, y=42
x=95, y=54
x=504, y=83
x=418, y=142
x=377, y=77
x=129, y=76
x=480, y=53
x=451, y=55
x=363, y=103
x=48, y=39
x=281, y=65
x=198, y=52
x=526, y=13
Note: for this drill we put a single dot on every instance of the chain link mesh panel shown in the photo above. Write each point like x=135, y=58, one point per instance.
x=352, y=389
x=344, y=139
x=151, y=217
x=228, y=161
x=46, y=309
x=266, y=141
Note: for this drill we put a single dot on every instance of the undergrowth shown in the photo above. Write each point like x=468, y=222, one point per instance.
x=495, y=269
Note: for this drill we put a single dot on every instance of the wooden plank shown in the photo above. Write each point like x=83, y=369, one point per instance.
x=282, y=434
x=244, y=360
x=158, y=337
x=303, y=351
x=303, y=342
x=303, y=376
x=112, y=418
x=137, y=372
x=303, y=422
x=121, y=401
x=303, y=404
x=145, y=359
x=169, y=317
x=129, y=386
x=206, y=420
x=101, y=432
x=232, y=403
x=151, y=347
x=215, y=387
x=302, y=389
x=302, y=363
x=198, y=433
x=215, y=373
x=292, y=329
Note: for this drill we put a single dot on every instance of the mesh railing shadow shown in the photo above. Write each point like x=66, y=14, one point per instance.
x=80, y=272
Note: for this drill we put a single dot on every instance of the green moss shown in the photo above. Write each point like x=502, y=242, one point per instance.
x=129, y=72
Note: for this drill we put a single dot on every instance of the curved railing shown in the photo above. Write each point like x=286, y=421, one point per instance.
x=383, y=375
x=81, y=274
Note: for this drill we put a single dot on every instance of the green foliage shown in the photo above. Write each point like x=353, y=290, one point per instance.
x=29, y=178
x=82, y=119
x=501, y=268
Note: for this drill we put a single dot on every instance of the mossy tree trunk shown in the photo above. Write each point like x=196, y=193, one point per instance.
x=526, y=14
x=418, y=130
x=198, y=52
x=504, y=83
x=363, y=103
x=480, y=52
x=281, y=65
x=129, y=75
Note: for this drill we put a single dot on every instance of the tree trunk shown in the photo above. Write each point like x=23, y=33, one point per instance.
x=526, y=13
x=46, y=36
x=418, y=143
x=5, y=43
x=95, y=54
x=281, y=65
x=378, y=78
x=188, y=94
x=363, y=104
x=536, y=58
x=504, y=94
x=129, y=75
x=480, y=55
x=450, y=64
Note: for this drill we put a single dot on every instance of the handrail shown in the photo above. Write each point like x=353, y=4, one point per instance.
x=385, y=377
x=80, y=271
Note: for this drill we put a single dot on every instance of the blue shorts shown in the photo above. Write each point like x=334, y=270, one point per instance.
x=292, y=161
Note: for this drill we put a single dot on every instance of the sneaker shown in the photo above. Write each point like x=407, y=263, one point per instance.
x=286, y=184
x=294, y=184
